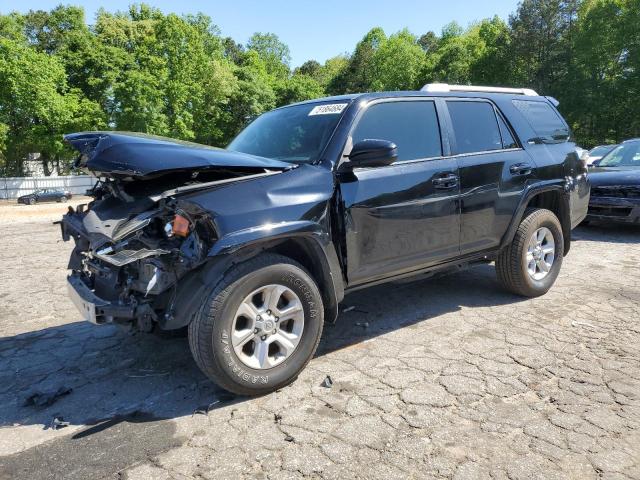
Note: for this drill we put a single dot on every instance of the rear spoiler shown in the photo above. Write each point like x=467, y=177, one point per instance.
x=553, y=101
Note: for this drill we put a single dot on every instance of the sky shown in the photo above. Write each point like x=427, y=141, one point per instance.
x=317, y=29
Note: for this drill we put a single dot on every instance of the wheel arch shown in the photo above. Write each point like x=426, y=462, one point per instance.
x=306, y=243
x=552, y=197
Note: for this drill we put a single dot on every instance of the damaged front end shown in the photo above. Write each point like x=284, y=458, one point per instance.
x=127, y=269
x=137, y=239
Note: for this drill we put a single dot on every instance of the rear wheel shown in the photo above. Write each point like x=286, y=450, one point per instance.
x=259, y=327
x=32, y=201
x=63, y=199
x=530, y=265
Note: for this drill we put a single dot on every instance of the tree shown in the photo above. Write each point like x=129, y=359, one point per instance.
x=397, y=63
x=275, y=54
x=137, y=92
x=311, y=68
x=253, y=93
x=359, y=74
x=12, y=27
x=37, y=106
x=457, y=52
x=540, y=45
x=428, y=42
x=601, y=95
x=49, y=32
x=215, y=123
x=298, y=88
x=233, y=51
x=175, y=75
x=494, y=61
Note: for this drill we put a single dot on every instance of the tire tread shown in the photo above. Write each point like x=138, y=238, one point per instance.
x=508, y=267
x=201, y=327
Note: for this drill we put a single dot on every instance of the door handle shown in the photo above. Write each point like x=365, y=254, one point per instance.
x=520, y=169
x=448, y=181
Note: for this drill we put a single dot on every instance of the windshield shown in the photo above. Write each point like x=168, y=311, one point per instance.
x=601, y=151
x=626, y=155
x=292, y=134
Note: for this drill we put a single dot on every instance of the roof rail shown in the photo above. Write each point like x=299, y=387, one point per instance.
x=445, y=87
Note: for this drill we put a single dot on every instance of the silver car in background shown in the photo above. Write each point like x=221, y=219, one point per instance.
x=598, y=152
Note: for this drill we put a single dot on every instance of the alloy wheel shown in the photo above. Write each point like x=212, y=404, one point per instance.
x=267, y=326
x=540, y=255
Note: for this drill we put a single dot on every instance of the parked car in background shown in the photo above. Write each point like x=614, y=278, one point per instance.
x=598, y=152
x=45, y=195
x=615, y=185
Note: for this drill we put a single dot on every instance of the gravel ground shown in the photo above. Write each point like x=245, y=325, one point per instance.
x=440, y=378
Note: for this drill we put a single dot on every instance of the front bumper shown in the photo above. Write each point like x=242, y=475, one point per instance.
x=93, y=308
x=612, y=209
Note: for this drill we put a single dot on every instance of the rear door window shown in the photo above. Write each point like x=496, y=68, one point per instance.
x=475, y=126
x=544, y=120
x=411, y=125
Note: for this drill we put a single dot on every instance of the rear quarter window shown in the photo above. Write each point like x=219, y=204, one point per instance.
x=544, y=120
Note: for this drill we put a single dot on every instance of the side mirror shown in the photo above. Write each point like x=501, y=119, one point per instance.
x=372, y=153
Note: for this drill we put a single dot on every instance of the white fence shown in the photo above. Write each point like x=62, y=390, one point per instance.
x=13, y=187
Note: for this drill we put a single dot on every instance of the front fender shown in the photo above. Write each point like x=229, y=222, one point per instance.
x=307, y=242
x=319, y=256
x=266, y=233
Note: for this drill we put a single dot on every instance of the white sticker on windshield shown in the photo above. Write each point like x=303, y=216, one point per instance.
x=329, y=109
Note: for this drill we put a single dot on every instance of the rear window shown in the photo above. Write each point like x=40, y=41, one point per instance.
x=544, y=120
x=475, y=126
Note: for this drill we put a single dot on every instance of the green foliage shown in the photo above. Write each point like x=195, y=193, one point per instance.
x=397, y=63
x=297, y=88
x=492, y=66
x=358, y=75
x=272, y=51
x=606, y=71
x=173, y=75
x=37, y=105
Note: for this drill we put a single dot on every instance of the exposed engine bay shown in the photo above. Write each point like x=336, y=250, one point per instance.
x=137, y=239
x=134, y=256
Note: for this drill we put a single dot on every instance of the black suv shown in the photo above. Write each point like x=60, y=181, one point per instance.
x=254, y=247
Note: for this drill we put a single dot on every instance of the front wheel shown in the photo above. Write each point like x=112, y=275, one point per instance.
x=259, y=327
x=531, y=263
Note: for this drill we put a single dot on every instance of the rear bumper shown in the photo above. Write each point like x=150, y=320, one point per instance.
x=612, y=209
x=93, y=308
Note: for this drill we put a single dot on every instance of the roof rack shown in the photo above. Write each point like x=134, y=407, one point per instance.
x=445, y=87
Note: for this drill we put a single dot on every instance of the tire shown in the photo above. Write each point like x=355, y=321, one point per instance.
x=63, y=199
x=210, y=330
x=32, y=201
x=512, y=265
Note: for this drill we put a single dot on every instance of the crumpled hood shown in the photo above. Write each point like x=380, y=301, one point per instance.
x=141, y=155
x=614, y=176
